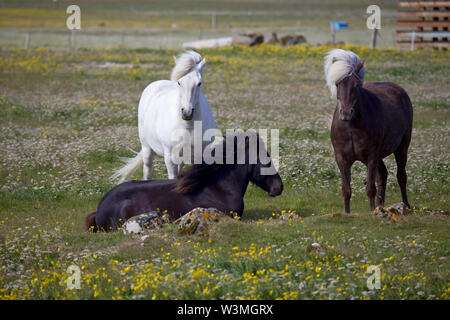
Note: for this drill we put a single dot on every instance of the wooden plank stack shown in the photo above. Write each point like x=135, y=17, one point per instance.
x=423, y=24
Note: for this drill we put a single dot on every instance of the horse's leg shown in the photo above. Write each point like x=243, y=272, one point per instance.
x=401, y=157
x=345, y=169
x=381, y=180
x=371, y=190
x=147, y=155
x=172, y=168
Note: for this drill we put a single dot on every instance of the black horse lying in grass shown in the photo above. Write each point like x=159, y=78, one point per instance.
x=216, y=185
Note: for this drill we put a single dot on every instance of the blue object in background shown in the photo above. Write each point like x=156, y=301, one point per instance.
x=337, y=25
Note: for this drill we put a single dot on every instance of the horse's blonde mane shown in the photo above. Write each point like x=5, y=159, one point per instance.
x=338, y=64
x=184, y=63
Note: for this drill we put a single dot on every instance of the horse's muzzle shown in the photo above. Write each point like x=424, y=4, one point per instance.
x=187, y=115
x=346, y=116
x=276, y=189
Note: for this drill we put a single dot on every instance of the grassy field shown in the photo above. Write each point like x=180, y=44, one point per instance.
x=67, y=117
x=167, y=24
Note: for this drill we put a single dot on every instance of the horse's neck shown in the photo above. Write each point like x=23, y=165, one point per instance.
x=199, y=102
x=230, y=183
x=363, y=106
x=241, y=177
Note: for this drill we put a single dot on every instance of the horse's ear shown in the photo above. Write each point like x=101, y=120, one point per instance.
x=359, y=66
x=201, y=65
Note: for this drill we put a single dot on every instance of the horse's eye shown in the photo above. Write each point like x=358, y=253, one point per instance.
x=179, y=83
x=199, y=84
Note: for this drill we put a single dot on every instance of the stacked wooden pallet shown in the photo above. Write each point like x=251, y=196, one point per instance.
x=423, y=24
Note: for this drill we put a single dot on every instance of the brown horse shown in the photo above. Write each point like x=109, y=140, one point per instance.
x=370, y=122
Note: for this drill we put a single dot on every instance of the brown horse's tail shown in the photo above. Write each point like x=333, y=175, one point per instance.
x=90, y=222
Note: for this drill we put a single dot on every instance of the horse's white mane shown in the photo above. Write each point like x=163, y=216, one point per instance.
x=338, y=64
x=184, y=63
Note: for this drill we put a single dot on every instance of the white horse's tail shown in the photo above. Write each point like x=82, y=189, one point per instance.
x=130, y=165
x=338, y=64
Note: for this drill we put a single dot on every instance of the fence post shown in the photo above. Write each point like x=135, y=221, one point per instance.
x=413, y=39
x=333, y=35
x=374, y=38
x=27, y=40
x=213, y=20
x=72, y=38
x=168, y=40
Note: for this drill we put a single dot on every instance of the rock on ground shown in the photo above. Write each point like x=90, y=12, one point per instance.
x=316, y=249
x=148, y=220
x=393, y=211
x=198, y=220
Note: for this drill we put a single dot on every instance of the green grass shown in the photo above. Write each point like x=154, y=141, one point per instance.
x=434, y=105
x=67, y=119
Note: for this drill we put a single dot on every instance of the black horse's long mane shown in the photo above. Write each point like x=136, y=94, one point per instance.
x=198, y=176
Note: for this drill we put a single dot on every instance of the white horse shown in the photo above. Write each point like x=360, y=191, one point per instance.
x=165, y=107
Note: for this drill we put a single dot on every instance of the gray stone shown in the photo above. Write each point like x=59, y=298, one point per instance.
x=148, y=220
x=198, y=220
